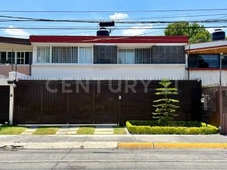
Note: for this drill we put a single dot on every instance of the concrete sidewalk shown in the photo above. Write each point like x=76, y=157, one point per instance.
x=113, y=141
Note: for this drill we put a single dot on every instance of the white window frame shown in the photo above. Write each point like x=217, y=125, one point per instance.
x=92, y=57
x=15, y=55
x=118, y=54
x=69, y=45
x=129, y=48
x=50, y=52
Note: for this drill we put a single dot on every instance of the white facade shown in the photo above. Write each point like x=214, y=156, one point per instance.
x=104, y=71
x=209, y=77
x=109, y=71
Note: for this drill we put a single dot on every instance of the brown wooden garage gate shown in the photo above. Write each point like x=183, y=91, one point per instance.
x=105, y=102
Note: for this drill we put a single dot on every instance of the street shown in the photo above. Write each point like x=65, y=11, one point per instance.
x=84, y=159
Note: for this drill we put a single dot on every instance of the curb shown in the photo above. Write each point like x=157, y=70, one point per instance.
x=160, y=145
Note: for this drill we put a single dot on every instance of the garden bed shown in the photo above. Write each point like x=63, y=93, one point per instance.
x=173, y=127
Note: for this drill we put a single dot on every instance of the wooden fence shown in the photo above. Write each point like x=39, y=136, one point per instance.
x=98, y=102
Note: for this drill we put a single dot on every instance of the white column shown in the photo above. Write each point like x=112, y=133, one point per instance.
x=11, y=104
x=34, y=54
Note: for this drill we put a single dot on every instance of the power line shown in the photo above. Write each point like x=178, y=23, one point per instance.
x=92, y=28
x=97, y=21
x=188, y=16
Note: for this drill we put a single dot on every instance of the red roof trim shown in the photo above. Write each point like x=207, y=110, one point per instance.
x=109, y=39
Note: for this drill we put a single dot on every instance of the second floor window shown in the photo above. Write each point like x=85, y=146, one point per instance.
x=64, y=54
x=204, y=61
x=85, y=55
x=126, y=56
x=15, y=57
x=134, y=56
x=43, y=54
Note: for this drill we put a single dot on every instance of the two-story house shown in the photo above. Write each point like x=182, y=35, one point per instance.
x=114, y=57
x=15, y=56
x=99, y=79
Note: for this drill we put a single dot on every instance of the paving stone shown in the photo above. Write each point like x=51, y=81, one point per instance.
x=30, y=130
x=67, y=130
x=98, y=133
x=60, y=133
x=100, y=130
x=70, y=133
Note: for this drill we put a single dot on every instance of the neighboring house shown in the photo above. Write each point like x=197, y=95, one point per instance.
x=15, y=55
x=204, y=62
x=208, y=62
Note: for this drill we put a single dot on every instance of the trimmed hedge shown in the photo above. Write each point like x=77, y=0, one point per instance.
x=175, y=127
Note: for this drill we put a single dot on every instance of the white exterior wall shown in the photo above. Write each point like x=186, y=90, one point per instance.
x=109, y=71
x=209, y=77
x=3, y=82
x=105, y=71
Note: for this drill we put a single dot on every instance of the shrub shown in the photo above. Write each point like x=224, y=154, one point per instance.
x=136, y=127
x=170, y=123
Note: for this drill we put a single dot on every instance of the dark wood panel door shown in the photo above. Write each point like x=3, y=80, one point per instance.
x=106, y=105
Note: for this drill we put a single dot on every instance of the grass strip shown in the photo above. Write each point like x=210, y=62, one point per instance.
x=46, y=131
x=12, y=130
x=85, y=130
x=119, y=130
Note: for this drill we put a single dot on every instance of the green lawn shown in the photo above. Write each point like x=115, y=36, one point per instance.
x=119, y=130
x=46, y=131
x=86, y=130
x=12, y=130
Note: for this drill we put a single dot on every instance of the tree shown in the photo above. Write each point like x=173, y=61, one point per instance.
x=165, y=107
x=196, y=33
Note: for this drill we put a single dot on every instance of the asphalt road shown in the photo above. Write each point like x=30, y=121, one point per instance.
x=98, y=159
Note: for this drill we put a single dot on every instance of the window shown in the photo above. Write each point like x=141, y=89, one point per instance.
x=105, y=54
x=2, y=57
x=64, y=54
x=143, y=56
x=134, y=56
x=28, y=57
x=85, y=55
x=168, y=55
x=16, y=57
x=224, y=61
x=126, y=56
x=43, y=54
x=23, y=57
x=11, y=58
x=20, y=58
x=203, y=61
